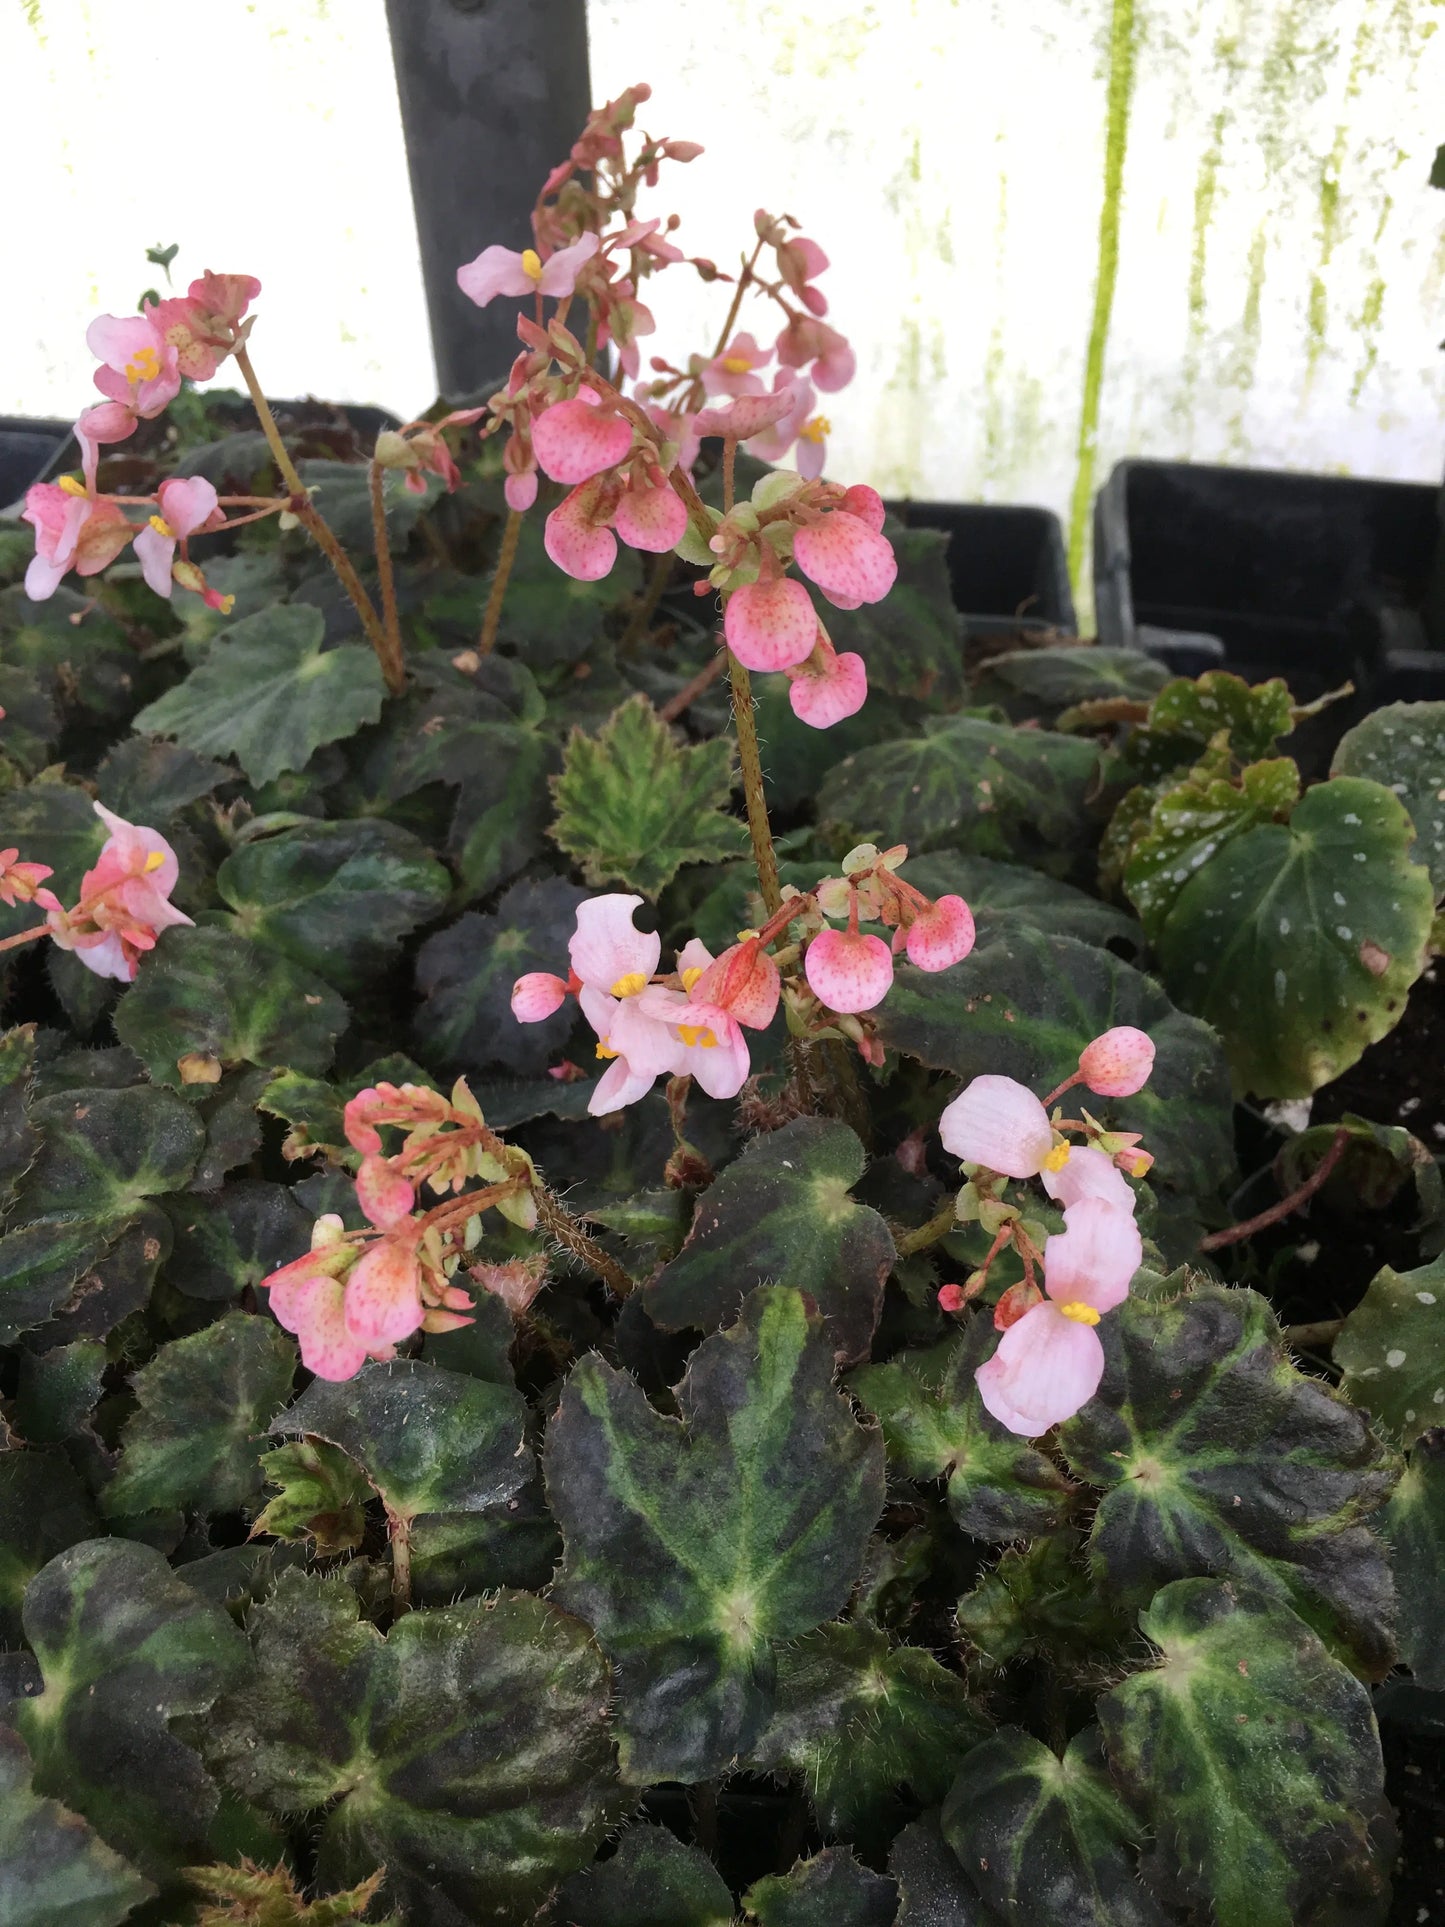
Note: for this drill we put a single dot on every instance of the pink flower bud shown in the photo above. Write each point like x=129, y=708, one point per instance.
x=577, y=439
x=1015, y=1303
x=1135, y=1163
x=850, y=562
x=771, y=625
x=951, y=1298
x=848, y=971
x=521, y=491
x=999, y=1124
x=536, y=996
x=866, y=504
x=1118, y=1063
x=941, y=936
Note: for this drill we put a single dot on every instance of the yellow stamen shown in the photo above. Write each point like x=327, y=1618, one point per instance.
x=736, y=364
x=602, y=1051
x=694, y=1034
x=144, y=365
x=531, y=264
x=632, y=985
x=154, y=861
x=691, y=975
x=228, y=603
x=162, y=527
x=1081, y=1313
x=71, y=485
x=1057, y=1158
x=816, y=429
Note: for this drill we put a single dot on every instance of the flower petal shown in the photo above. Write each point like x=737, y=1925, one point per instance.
x=1046, y=1367
x=771, y=625
x=606, y=947
x=1000, y=1124
x=1088, y=1173
x=1093, y=1259
x=848, y=971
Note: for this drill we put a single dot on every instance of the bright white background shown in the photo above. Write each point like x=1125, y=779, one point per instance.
x=1281, y=291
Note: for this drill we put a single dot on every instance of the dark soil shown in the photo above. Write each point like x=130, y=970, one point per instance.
x=1400, y=1080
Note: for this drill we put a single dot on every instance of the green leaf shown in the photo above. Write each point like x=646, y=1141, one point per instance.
x=935, y=1426
x=1403, y=747
x=58, y=1390
x=1391, y=1353
x=1040, y=1598
x=336, y=898
x=124, y=1647
x=1188, y=824
x=85, y=657
x=1217, y=1456
x=694, y=1544
x=343, y=496
x=429, y=1440
x=1414, y=1525
x=551, y=617
x=1253, y=1758
x=503, y=807
x=212, y=994
x=1437, y=167
x=984, y=788
x=1190, y=713
x=1299, y=941
x=633, y=806
x=831, y=1890
x=44, y=1508
x=268, y=696
x=322, y=1497
x=467, y=1752
x=147, y=781
x=235, y=1238
x=104, y=1152
x=932, y=1888
x=465, y=975
x=652, y=1880
x=1045, y=682
x=18, y=1137
x=912, y=641
x=783, y=1210
x=1001, y=895
x=54, y=1872
x=1047, y=1841
x=866, y=1725
x=205, y=1402
x=41, y=1264
x=1026, y=1004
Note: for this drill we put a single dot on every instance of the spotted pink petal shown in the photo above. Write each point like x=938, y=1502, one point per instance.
x=536, y=996
x=771, y=625
x=605, y=947
x=941, y=936
x=521, y=490
x=1046, y=1367
x=744, y=981
x=823, y=696
x=866, y=504
x=361, y=1133
x=1000, y=1124
x=1094, y=1258
x=1118, y=1063
x=383, y=1294
x=1088, y=1173
x=850, y=562
x=849, y=971
x=496, y=270
x=315, y=1310
x=577, y=439
x=748, y=415
x=653, y=519
x=383, y=1194
x=577, y=544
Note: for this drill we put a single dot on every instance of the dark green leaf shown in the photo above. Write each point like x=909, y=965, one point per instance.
x=54, y=1872
x=832, y=1890
x=1414, y=1524
x=1217, y=1456
x=18, y=1138
x=932, y=1888
x=43, y=1509
x=503, y=806
x=551, y=617
x=1040, y=1598
x=1004, y=894
x=1254, y=1760
x=147, y=781
x=1025, y=1005
x=54, y=823
x=694, y=1544
x=1403, y=747
x=322, y=1496
x=633, y=806
x=58, y=1390
x=1045, y=682
x=467, y=1752
x=116, y=1279
x=783, y=1210
x=336, y=898
x=41, y=1265
x=124, y=1647
x=1392, y=1350
x=85, y=657
x=343, y=496
x=235, y=1238
x=104, y=1152
x=212, y=994
x=935, y=1426
x=652, y=1880
x=512, y=1543
x=268, y=696
x=205, y=1402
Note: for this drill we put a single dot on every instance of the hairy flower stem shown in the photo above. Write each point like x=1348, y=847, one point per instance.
x=319, y=530
x=555, y=1219
x=944, y=1220
x=399, y=1533
x=25, y=936
x=501, y=576
x=759, y=829
x=394, y=667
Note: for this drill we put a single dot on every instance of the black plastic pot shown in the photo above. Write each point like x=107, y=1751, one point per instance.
x=1320, y=579
x=28, y=446
x=1007, y=564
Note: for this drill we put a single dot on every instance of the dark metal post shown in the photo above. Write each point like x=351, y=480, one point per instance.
x=493, y=94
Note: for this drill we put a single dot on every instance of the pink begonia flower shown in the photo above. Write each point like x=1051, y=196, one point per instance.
x=186, y=504
x=576, y=534
x=942, y=936
x=1094, y=1258
x=383, y=1194
x=223, y=299
x=73, y=530
x=1118, y=1063
x=867, y=505
x=383, y=1292
x=498, y=270
x=807, y=342
x=850, y=562
x=313, y=1306
x=848, y=971
x=774, y=442
x=652, y=517
x=744, y=980
x=733, y=371
x=1087, y=1173
x=537, y=995
x=138, y=364
x=998, y=1123
x=799, y=262
x=20, y=881
x=577, y=439
x=828, y=687
x=771, y=625
x=124, y=901
x=709, y=1045
x=951, y=1298
x=747, y=417
x=203, y=325
x=606, y=950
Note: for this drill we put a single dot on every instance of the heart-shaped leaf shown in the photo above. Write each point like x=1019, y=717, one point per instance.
x=1403, y=747
x=322, y=1497
x=694, y=1544
x=1414, y=1524
x=235, y=1238
x=58, y=1390
x=1391, y=1351
x=1040, y=1598
x=1253, y=1757
x=1044, y=682
x=467, y=1752
x=831, y=1890
x=1191, y=822
x=42, y=1264
x=652, y=1880
x=149, y=781
x=54, y=1871
x=269, y=696
x=104, y=1152
x=783, y=1210
x=1217, y=1456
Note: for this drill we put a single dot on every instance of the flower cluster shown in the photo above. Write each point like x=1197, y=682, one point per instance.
x=690, y=1022
x=1049, y=1360
x=356, y=1295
